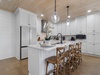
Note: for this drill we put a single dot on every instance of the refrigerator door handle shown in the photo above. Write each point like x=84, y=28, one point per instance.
x=24, y=46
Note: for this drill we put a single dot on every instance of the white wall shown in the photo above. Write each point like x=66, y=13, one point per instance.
x=7, y=29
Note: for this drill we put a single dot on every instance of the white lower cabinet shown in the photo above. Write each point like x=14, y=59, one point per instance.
x=97, y=43
x=90, y=48
x=97, y=48
x=93, y=44
x=84, y=47
x=90, y=37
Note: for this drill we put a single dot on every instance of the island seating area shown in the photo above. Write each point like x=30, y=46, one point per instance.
x=66, y=60
x=61, y=59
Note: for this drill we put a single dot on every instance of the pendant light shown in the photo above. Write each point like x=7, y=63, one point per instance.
x=68, y=17
x=55, y=18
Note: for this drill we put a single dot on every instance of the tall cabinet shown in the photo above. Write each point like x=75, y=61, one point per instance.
x=93, y=33
x=24, y=19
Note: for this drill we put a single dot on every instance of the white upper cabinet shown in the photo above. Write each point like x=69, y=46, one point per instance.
x=26, y=18
x=59, y=28
x=97, y=22
x=38, y=26
x=64, y=28
x=84, y=25
x=78, y=25
x=72, y=27
x=33, y=20
x=54, y=30
x=68, y=30
x=90, y=23
x=81, y=25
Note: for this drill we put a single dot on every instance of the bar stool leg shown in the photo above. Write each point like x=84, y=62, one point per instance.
x=47, y=68
x=54, y=70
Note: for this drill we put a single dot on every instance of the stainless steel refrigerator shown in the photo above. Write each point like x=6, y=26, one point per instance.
x=27, y=37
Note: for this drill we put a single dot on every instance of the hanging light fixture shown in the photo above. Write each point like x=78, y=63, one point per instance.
x=55, y=18
x=68, y=17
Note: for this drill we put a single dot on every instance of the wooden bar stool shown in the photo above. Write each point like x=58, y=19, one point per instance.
x=57, y=61
x=68, y=66
x=72, y=56
x=79, y=52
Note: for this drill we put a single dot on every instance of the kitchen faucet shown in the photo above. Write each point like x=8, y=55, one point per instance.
x=61, y=37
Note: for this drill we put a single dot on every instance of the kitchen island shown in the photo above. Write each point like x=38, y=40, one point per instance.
x=37, y=56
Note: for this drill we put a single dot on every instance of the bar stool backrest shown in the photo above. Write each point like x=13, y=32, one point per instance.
x=78, y=46
x=60, y=54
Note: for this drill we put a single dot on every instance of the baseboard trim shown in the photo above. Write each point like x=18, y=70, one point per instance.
x=91, y=54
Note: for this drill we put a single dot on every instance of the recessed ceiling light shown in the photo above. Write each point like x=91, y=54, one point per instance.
x=42, y=15
x=88, y=11
x=69, y=16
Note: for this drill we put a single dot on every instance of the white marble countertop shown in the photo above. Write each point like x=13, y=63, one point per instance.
x=38, y=47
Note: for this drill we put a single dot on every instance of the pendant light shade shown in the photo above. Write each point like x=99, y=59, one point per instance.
x=55, y=17
x=68, y=17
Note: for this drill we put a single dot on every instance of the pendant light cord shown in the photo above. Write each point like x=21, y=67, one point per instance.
x=55, y=5
x=67, y=11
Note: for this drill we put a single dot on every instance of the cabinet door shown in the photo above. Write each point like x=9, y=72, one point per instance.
x=90, y=23
x=84, y=47
x=38, y=26
x=68, y=30
x=90, y=37
x=64, y=27
x=96, y=37
x=55, y=29
x=33, y=37
x=59, y=28
x=97, y=48
x=33, y=21
x=24, y=19
x=73, y=28
x=84, y=25
x=97, y=22
x=90, y=48
x=78, y=25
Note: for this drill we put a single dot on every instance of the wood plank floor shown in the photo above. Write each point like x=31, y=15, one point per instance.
x=89, y=66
